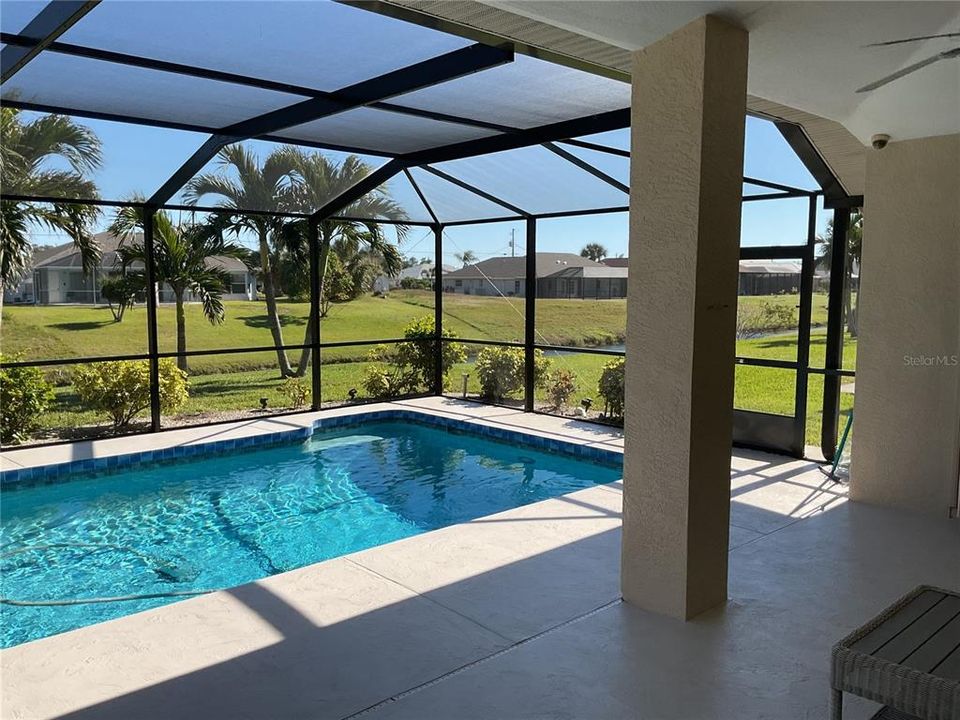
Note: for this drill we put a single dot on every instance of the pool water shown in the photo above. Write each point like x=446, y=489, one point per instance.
x=219, y=522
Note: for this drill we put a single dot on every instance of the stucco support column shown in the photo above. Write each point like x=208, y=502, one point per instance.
x=906, y=428
x=689, y=105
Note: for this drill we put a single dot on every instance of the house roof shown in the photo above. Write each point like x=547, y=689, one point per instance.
x=67, y=255
x=421, y=270
x=515, y=267
x=43, y=252
x=784, y=267
x=604, y=271
x=569, y=264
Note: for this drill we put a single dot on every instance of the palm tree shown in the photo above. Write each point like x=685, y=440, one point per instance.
x=467, y=257
x=25, y=149
x=594, y=251
x=358, y=244
x=254, y=186
x=854, y=248
x=182, y=255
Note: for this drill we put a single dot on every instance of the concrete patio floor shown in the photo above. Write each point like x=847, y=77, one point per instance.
x=515, y=615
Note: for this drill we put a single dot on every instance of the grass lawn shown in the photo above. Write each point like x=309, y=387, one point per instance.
x=229, y=383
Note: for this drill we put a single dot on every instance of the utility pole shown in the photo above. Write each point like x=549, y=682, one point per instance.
x=513, y=242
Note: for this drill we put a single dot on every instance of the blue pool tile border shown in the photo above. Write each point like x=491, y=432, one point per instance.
x=61, y=472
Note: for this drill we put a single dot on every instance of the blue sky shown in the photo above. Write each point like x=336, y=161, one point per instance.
x=138, y=159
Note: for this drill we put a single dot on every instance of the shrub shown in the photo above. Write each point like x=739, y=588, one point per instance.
x=122, y=388
x=295, y=390
x=25, y=395
x=748, y=323
x=561, y=386
x=777, y=315
x=409, y=283
x=501, y=371
x=410, y=366
x=768, y=317
x=386, y=381
x=610, y=388
x=419, y=356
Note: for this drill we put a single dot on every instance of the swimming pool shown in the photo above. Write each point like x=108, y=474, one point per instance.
x=217, y=522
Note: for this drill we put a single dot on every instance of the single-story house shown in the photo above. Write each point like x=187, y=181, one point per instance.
x=57, y=276
x=559, y=275
x=769, y=277
x=566, y=275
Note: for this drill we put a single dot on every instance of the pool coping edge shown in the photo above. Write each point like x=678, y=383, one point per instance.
x=59, y=471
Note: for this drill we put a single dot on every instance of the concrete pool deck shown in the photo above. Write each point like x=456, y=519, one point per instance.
x=514, y=615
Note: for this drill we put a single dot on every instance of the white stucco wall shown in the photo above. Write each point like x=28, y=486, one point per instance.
x=907, y=408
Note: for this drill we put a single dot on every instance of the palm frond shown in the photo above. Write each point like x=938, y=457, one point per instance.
x=208, y=286
x=25, y=150
x=52, y=183
x=16, y=252
x=59, y=135
x=227, y=188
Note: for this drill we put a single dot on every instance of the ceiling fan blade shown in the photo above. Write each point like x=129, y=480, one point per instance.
x=904, y=72
x=913, y=39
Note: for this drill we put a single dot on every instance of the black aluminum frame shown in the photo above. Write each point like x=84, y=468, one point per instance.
x=767, y=431
x=43, y=30
x=751, y=429
x=833, y=353
x=41, y=36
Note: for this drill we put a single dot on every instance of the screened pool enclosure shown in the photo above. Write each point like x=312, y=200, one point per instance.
x=456, y=133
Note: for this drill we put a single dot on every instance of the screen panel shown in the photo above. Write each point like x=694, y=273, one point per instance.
x=768, y=156
x=89, y=85
x=383, y=131
x=774, y=222
x=616, y=139
x=271, y=168
x=17, y=15
x=616, y=166
x=484, y=291
x=320, y=45
x=452, y=203
x=400, y=195
x=525, y=93
x=582, y=272
x=536, y=180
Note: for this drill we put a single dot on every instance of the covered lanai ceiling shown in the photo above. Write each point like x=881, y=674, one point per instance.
x=810, y=55
x=807, y=59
